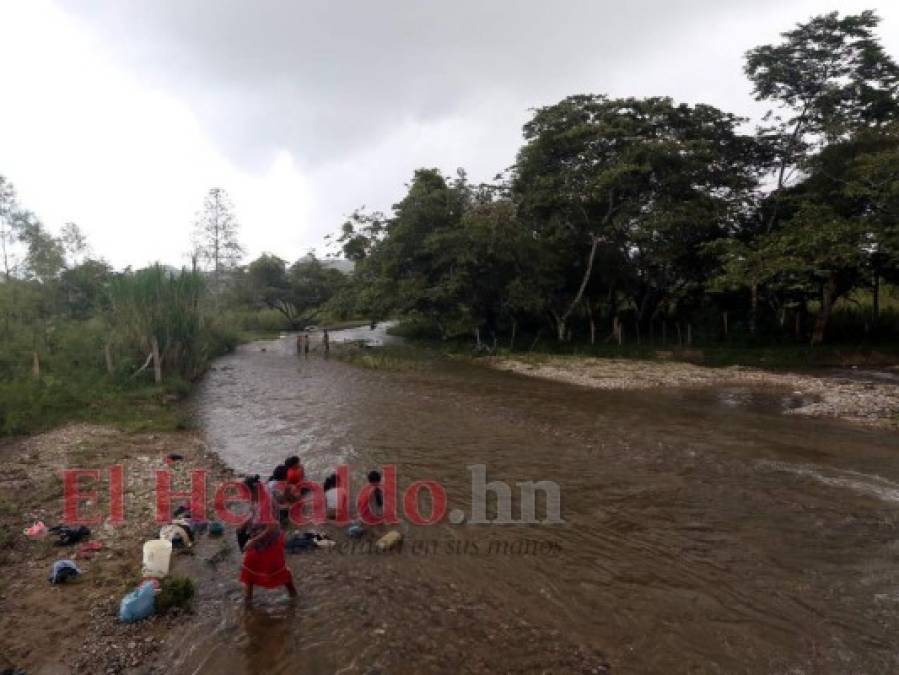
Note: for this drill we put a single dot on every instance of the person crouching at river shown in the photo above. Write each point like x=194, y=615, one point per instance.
x=281, y=492
x=334, y=494
x=295, y=472
x=371, y=506
x=264, y=563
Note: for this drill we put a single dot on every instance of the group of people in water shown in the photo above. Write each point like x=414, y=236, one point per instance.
x=261, y=536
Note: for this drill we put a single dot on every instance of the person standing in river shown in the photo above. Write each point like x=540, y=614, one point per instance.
x=264, y=562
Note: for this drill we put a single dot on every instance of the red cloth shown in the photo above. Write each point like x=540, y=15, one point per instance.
x=370, y=512
x=266, y=567
x=295, y=475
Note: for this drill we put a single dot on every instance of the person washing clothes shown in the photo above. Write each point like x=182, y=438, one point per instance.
x=264, y=562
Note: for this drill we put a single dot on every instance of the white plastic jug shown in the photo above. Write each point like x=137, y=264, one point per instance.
x=157, y=555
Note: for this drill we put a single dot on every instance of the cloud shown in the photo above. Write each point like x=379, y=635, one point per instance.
x=124, y=113
x=323, y=79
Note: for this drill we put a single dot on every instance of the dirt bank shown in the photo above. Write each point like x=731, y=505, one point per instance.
x=74, y=627
x=859, y=399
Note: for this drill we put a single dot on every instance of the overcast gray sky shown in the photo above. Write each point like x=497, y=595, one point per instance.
x=120, y=115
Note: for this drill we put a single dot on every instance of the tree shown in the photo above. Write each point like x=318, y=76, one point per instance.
x=830, y=76
x=844, y=227
x=84, y=288
x=412, y=266
x=269, y=286
x=500, y=281
x=632, y=175
x=824, y=247
x=298, y=292
x=871, y=182
x=312, y=285
x=45, y=254
x=75, y=244
x=361, y=233
x=831, y=80
x=215, y=236
x=8, y=226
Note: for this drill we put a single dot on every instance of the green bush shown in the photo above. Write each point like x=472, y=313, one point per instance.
x=176, y=593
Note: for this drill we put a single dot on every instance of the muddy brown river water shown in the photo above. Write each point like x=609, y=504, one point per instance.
x=704, y=531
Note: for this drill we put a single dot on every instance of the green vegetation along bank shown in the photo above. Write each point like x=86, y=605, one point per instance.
x=648, y=221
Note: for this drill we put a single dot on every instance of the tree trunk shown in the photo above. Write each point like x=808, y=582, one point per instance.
x=614, y=334
x=753, y=308
x=592, y=324
x=560, y=329
x=157, y=361
x=875, y=300
x=107, y=352
x=689, y=334
x=664, y=333
x=36, y=365
x=828, y=298
x=514, y=331
x=680, y=342
x=725, y=325
x=580, y=291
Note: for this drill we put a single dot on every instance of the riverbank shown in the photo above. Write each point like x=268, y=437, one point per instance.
x=856, y=398
x=74, y=627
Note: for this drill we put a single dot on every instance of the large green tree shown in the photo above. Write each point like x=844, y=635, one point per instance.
x=647, y=178
x=829, y=77
x=296, y=292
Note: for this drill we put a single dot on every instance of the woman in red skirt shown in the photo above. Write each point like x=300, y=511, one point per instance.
x=264, y=563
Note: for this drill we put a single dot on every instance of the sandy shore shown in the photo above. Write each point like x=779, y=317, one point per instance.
x=857, y=399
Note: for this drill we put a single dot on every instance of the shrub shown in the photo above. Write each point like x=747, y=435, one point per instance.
x=176, y=593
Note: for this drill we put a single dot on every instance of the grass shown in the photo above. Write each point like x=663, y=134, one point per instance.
x=30, y=406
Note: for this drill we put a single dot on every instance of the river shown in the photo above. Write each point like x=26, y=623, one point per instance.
x=704, y=531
